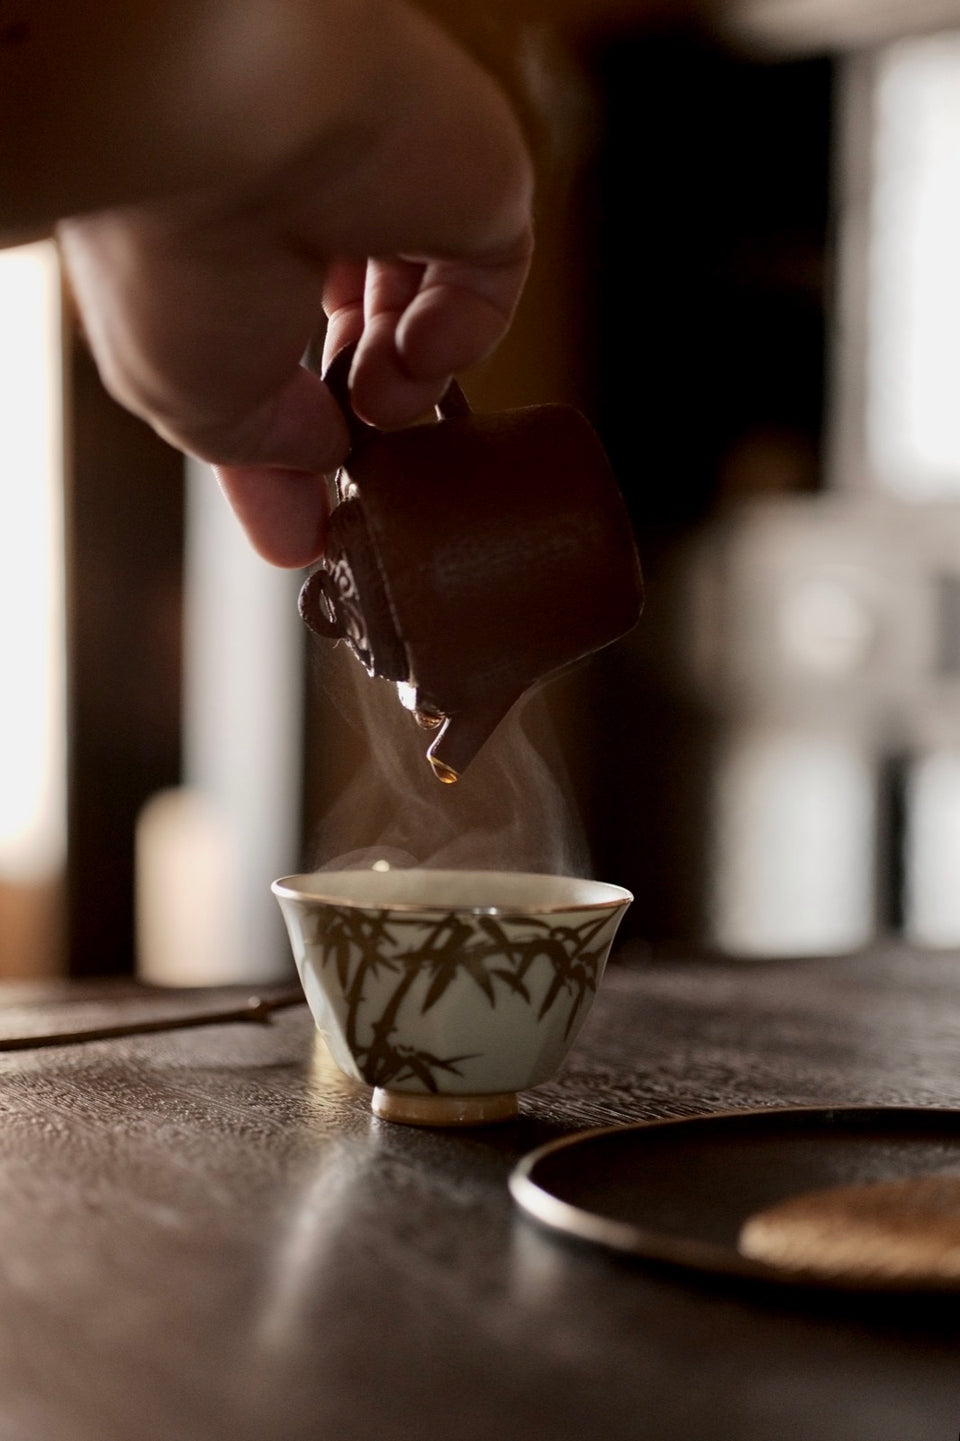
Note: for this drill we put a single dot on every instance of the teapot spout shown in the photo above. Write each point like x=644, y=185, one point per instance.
x=461, y=737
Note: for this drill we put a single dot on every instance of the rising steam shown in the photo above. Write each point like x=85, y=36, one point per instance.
x=513, y=809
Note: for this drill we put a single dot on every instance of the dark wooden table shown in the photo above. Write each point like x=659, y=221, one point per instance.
x=204, y=1234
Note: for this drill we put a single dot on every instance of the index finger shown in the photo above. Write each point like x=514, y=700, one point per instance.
x=342, y=300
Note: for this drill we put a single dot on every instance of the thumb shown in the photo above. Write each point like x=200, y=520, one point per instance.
x=275, y=478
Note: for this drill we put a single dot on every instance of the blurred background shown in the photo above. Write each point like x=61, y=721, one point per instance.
x=748, y=279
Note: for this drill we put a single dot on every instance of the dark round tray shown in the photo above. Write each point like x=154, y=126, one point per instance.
x=678, y=1191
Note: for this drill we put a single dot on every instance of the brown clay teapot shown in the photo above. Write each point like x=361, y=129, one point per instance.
x=469, y=559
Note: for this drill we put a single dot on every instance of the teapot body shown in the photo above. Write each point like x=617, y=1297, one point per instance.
x=472, y=558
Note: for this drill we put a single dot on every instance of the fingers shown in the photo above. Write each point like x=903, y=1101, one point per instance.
x=283, y=512
x=416, y=324
x=461, y=311
x=204, y=343
x=299, y=426
x=384, y=391
x=200, y=303
x=283, y=508
x=342, y=300
x=206, y=347
x=364, y=303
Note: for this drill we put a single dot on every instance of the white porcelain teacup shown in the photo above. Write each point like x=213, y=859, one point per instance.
x=449, y=991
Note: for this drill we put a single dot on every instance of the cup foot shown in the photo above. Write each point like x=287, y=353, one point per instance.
x=412, y=1108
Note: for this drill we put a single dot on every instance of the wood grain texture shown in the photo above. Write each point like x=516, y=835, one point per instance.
x=205, y=1234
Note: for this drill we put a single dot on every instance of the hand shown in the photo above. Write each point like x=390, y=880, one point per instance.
x=407, y=222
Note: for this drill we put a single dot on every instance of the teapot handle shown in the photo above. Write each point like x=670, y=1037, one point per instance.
x=336, y=377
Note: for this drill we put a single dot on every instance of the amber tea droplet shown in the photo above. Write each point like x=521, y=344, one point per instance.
x=443, y=772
